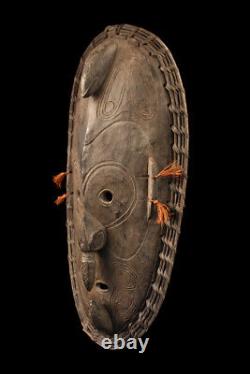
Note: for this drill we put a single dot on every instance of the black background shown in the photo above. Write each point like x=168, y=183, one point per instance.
x=191, y=322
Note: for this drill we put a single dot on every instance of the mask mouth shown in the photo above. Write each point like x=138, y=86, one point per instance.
x=101, y=286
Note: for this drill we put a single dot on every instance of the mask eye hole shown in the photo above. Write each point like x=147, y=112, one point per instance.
x=106, y=197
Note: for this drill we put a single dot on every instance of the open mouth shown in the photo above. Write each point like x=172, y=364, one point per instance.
x=101, y=286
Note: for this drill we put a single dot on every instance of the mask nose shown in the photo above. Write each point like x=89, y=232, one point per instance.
x=93, y=234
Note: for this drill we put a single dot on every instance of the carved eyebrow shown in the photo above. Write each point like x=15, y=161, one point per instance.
x=97, y=68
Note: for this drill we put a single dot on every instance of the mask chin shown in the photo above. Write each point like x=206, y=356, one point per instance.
x=101, y=318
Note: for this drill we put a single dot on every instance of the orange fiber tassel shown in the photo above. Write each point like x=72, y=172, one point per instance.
x=163, y=212
x=172, y=170
x=60, y=199
x=58, y=179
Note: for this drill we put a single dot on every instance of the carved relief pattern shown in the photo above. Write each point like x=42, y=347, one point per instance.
x=123, y=299
x=110, y=106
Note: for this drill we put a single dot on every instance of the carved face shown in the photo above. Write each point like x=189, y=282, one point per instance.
x=121, y=135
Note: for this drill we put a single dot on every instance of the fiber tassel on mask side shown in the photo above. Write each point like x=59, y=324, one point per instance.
x=60, y=199
x=163, y=212
x=172, y=170
x=59, y=178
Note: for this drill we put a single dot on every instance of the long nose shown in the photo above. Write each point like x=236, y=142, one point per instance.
x=93, y=235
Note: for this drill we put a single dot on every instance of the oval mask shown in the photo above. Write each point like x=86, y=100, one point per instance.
x=127, y=171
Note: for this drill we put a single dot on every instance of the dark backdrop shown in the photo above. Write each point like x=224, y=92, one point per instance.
x=52, y=43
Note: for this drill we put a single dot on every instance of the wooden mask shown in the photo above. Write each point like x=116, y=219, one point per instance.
x=126, y=182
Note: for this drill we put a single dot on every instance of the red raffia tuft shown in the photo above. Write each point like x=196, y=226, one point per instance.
x=58, y=179
x=60, y=199
x=163, y=212
x=172, y=170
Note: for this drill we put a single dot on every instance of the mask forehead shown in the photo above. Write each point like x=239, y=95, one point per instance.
x=128, y=120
